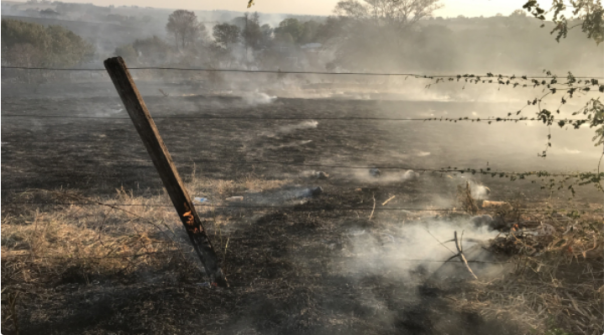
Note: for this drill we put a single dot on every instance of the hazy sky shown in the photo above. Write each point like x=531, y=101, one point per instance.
x=325, y=7
x=317, y=7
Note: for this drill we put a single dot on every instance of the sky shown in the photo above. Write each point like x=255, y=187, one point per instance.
x=325, y=7
x=451, y=8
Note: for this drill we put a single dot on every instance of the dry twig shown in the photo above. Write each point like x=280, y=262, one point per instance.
x=460, y=254
x=373, y=207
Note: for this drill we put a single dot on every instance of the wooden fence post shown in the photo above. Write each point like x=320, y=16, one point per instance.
x=116, y=67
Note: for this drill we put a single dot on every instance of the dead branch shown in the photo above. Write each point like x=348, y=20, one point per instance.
x=461, y=255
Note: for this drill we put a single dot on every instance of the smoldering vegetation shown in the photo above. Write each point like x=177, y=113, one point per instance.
x=333, y=204
x=406, y=249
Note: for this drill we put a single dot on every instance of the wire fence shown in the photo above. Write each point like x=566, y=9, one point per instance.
x=416, y=75
x=256, y=207
x=248, y=118
x=310, y=207
x=482, y=170
x=323, y=118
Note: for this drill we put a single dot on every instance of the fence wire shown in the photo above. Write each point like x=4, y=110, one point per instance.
x=415, y=75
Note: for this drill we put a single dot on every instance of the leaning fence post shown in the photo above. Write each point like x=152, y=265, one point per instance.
x=116, y=67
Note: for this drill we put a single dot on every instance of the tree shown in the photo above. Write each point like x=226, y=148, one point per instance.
x=23, y=54
x=518, y=13
x=310, y=29
x=152, y=51
x=149, y=51
x=52, y=46
x=374, y=35
x=267, y=35
x=49, y=12
x=290, y=26
x=225, y=34
x=395, y=13
x=251, y=33
x=184, y=26
x=284, y=39
x=127, y=52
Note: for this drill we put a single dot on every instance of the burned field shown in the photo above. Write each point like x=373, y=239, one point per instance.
x=312, y=240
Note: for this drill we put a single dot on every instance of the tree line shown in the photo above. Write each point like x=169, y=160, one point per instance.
x=33, y=45
x=369, y=37
x=373, y=35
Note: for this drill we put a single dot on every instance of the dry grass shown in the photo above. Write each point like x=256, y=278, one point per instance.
x=98, y=238
x=52, y=239
x=465, y=199
x=217, y=190
x=81, y=235
x=557, y=285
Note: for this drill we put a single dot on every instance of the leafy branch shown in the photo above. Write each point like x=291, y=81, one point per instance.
x=549, y=81
x=550, y=180
x=569, y=86
x=588, y=12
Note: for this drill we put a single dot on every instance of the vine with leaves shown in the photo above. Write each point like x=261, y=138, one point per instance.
x=591, y=114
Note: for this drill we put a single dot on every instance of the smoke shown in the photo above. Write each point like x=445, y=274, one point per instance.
x=108, y=111
x=257, y=98
x=478, y=191
x=299, y=126
x=288, y=129
x=384, y=177
x=402, y=249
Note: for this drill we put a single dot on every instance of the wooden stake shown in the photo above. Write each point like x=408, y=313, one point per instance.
x=116, y=67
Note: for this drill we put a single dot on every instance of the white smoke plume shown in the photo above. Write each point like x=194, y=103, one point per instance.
x=287, y=129
x=257, y=98
x=400, y=248
x=385, y=177
x=478, y=191
x=299, y=126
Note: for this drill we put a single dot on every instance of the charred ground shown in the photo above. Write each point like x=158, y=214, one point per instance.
x=288, y=266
